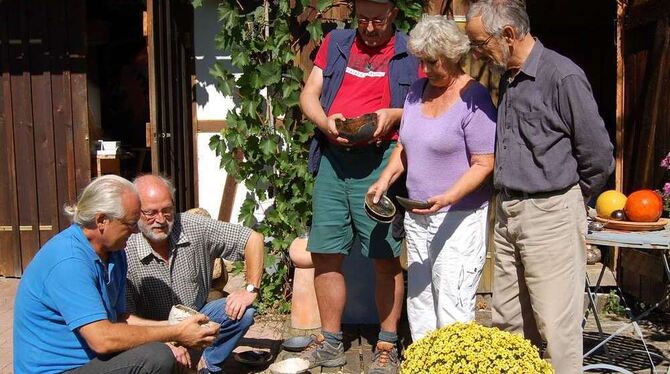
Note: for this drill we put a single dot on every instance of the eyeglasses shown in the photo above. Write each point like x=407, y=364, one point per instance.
x=132, y=226
x=153, y=214
x=480, y=45
x=376, y=22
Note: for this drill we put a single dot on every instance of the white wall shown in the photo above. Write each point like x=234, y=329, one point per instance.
x=211, y=106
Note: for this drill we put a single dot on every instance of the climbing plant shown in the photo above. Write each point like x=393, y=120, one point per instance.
x=266, y=140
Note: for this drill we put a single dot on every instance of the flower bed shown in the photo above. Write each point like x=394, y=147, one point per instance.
x=472, y=348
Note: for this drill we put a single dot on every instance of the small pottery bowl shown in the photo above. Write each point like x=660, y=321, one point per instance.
x=296, y=343
x=359, y=129
x=253, y=357
x=382, y=212
x=410, y=204
x=290, y=366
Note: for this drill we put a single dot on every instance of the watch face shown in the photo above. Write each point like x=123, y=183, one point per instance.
x=251, y=288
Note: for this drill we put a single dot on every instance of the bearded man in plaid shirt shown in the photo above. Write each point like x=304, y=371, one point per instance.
x=170, y=262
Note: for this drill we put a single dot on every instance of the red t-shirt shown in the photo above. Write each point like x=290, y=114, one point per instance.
x=365, y=87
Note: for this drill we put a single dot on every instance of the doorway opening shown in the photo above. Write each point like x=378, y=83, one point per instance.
x=118, y=87
x=585, y=32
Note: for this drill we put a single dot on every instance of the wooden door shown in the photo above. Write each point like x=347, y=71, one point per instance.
x=171, y=67
x=44, y=151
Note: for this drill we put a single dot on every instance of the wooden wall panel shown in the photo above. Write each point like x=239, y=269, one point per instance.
x=23, y=130
x=76, y=27
x=64, y=156
x=171, y=67
x=47, y=202
x=43, y=142
x=10, y=246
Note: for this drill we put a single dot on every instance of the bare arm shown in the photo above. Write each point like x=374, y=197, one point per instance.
x=254, y=253
x=481, y=167
x=105, y=337
x=134, y=320
x=393, y=170
x=310, y=103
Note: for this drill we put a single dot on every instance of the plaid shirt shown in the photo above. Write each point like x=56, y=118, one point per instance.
x=154, y=286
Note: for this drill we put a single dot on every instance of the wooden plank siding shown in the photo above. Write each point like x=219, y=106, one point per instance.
x=10, y=246
x=23, y=129
x=171, y=65
x=44, y=135
x=47, y=215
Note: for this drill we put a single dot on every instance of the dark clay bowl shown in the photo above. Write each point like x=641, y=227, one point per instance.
x=382, y=212
x=359, y=129
x=410, y=204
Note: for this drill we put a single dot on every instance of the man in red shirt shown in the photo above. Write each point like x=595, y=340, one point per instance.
x=356, y=72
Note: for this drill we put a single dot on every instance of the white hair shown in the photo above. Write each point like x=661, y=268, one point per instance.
x=436, y=37
x=497, y=14
x=103, y=195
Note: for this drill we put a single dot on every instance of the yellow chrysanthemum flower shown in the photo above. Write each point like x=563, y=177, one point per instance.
x=471, y=348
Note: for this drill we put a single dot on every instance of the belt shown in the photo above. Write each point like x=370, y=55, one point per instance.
x=516, y=194
x=362, y=148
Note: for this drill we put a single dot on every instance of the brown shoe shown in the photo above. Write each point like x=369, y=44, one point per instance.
x=320, y=353
x=384, y=359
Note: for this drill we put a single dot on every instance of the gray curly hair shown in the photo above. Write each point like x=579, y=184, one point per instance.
x=497, y=14
x=102, y=195
x=437, y=36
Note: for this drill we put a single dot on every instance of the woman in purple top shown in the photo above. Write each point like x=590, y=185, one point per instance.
x=446, y=146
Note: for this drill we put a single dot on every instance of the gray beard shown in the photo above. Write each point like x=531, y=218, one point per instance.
x=155, y=237
x=500, y=68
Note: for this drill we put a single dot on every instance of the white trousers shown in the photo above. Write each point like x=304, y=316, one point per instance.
x=445, y=257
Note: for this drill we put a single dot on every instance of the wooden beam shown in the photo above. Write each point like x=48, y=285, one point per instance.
x=228, y=196
x=620, y=95
x=211, y=125
x=228, y=199
x=645, y=13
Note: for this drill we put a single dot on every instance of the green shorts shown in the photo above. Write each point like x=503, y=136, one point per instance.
x=338, y=203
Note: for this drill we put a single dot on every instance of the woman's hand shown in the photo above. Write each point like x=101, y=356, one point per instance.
x=438, y=202
x=378, y=189
x=387, y=119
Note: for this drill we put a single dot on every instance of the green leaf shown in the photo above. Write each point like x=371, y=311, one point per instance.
x=315, y=30
x=196, y=3
x=322, y=5
x=239, y=59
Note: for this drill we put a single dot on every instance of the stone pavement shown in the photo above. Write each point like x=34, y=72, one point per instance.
x=7, y=293
x=267, y=334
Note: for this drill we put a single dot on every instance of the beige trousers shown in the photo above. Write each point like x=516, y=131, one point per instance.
x=540, y=264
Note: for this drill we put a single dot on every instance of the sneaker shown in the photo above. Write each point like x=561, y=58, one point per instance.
x=384, y=359
x=320, y=353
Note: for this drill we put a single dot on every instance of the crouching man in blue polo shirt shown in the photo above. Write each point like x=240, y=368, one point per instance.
x=69, y=314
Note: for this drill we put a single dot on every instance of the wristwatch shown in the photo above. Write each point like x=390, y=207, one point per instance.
x=251, y=288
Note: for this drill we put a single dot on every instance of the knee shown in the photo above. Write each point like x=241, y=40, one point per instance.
x=389, y=266
x=248, y=318
x=158, y=358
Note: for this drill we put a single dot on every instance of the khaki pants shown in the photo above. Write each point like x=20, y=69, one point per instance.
x=540, y=264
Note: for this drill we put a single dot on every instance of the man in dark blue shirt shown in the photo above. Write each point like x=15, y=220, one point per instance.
x=552, y=153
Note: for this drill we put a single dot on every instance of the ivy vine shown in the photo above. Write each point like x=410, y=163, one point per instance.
x=266, y=140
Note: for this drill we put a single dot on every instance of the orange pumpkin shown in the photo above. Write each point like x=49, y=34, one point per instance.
x=643, y=206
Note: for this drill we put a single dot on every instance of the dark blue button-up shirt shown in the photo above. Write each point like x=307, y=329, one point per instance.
x=549, y=134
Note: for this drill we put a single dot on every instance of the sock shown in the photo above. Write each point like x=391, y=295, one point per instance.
x=387, y=336
x=333, y=338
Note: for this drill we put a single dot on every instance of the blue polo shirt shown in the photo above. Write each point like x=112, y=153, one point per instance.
x=66, y=286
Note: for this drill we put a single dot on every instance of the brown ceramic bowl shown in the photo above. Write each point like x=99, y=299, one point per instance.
x=382, y=212
x=359, y=129
x=410, y=204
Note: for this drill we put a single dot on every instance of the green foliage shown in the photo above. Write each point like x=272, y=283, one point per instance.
x=266, y=140
x=613, y=305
